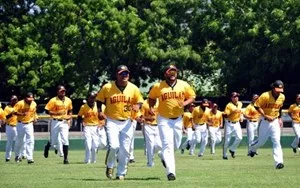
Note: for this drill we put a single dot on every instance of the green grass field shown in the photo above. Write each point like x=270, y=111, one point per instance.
x=208, y=171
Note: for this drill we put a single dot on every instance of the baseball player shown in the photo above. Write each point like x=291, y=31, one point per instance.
x=252, y=116
x=151, y=133
x=294, y=113
x=120, y=98
x=10, y=129
x=188, y=127
x=173, y=95
x=2, y=118
x=232, y=113
x=88, y=114
x=60, y=110
x=135, y=117
x=25, y=110
x=269, y=104
x=214, y=122
x=199, y=116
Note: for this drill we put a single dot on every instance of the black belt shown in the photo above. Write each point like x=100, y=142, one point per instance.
x=202, y=124
x=253, y=121
x=11, y=125
x=58, y=119
x=25, y=122
x=272, y=120
x=121, y=119
x=232, y=121
x=175, y=118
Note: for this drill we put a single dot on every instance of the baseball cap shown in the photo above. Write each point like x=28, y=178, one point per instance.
x=255, y=96
x=29, y=96
x=122, y=68
x=170, y=67
x=298, y=96
x=61, y=88
x=235, y=94
x=205, y=102
x=215, y=105
x=13, y=97
x=278, y=86
x=92, y=94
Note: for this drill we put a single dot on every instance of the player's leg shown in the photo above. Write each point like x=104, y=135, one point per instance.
x=204, y=140
x=149, y=141
x=19, y=140
x=131, y=158
x=275, y=137
x=94, y=143
x=88, y=143
x=264, y=133
x=126, y=135
x=227, y=136
x=102, y=138
x=11, y=133
x=64, y=136
x=196, y=139
x=112, y=131
x=212, y=135
x=237, y=131
x=296, y=129
x=29, y=135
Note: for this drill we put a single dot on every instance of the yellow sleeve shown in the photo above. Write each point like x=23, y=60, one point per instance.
x=247, y=110
x=227, y=110
x=290, y=108
x=101, y=94
x=17, y=107
x=2, y=114
x=189, y=92
x=81, y=111
x=138, y=96
x=154, y=92
x=260, y=101
x=49, y=105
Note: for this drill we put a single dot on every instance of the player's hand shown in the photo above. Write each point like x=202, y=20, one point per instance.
x=269, y=118
x=101, y=116
x=136, y=107
x=181, y=104
x=152, y=111
x=237, y=110
x=280, y=122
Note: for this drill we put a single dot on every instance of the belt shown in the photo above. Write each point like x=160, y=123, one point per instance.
x=253, y=121
x=58, y=119
x=201, y=124
x=175, y=118
x=25, y=122
x=232, y=121
x=11, y=125
x=121, y=119
x=272, y=120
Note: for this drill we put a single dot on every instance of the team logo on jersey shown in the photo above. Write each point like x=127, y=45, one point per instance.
x=272, y=105
x=119, y=98
x=172, y=95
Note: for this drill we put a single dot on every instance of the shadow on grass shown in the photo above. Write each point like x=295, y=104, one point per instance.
x=126, y=179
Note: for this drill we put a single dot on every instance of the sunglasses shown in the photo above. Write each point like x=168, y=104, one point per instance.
x=124, y=73
x=172, y=72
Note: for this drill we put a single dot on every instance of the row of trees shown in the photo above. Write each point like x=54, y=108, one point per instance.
x=219, y=45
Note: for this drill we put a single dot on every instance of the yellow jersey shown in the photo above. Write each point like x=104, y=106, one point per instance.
x=294, y=110
x=135, y=114
x=89, y=114
x=269, y=104
x=214, y=120
x=12, y=121
x=171, y=97
x=119, y=104
x=252, y=112
x=230, y=111
x=29, y=110
x=199, y=115
x=2, y=114
x=145, y=112
x=187, y=120
x=56, y=105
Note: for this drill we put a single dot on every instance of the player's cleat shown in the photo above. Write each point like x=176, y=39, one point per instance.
x=23, y=157
x=46, y=150
x=162, y=161
x=171, y=177
x=30, y=161
x=182, y=151
x=225, y=157
x=279, y=166
x=232, y=153
x=17, y=159
x=66, y=161
x=109, y=172
x=55, y=151
x=294, y=150
x=121, y=177
x=131, y=161
x=252, y=153
x=200, y=155
x=7, y=160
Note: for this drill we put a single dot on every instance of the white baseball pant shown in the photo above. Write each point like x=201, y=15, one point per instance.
x=102, y=137
x=200, y=136
x=235, y=130
x=133, y=124
x=296, y=128
x=170, y=131
x=59, y=133
x=251, y=129
x=22, y=131
x=91, y=143
x=268, y=129
x=152, y=141
x=189, y=135
x=11, y=134
x=215, y=137
x=119, y=135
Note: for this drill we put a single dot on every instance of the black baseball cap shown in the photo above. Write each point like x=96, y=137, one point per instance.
x=255, y=96
x=92, y=94
x=278, y=86
x=122, y=68
x=29, y=96
x=298, y=96
x=13, y=97
x=61, y=88
x=170, y=67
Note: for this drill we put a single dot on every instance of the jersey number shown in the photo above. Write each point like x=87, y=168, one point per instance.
x=127, y=108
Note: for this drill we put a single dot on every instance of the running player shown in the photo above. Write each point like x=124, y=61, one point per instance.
x=60, y=110
x=199, y=116
x=214, y=123
x=252, y=116
x=2, y=118
x=188, y=127
x=174, y=95
x=232, y=113
x=294, y=113
x=269, y=104
x=25, y=110
x=135, y=118
x=120, y=98
x=10, y=129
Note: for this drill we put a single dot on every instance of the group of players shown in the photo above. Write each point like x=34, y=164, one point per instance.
x=109, y=118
